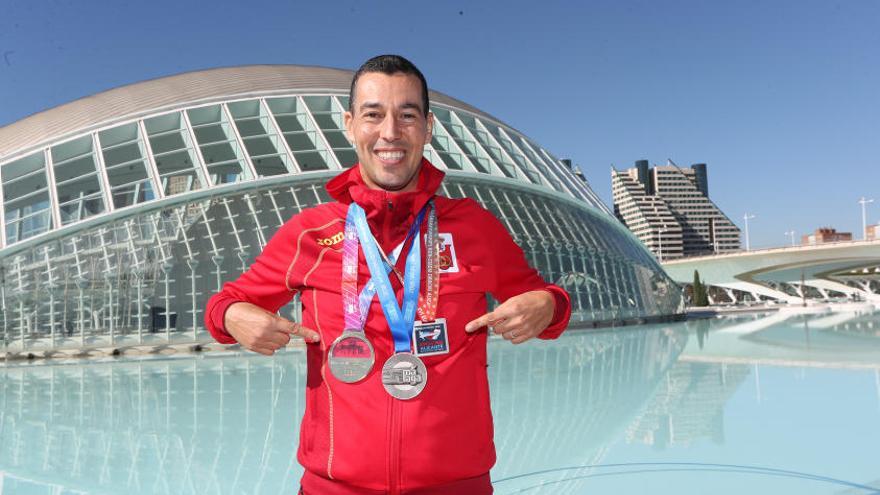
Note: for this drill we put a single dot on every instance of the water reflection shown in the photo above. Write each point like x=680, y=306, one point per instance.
x=565, y=402
x=848, y=338
x=210, y=425
x=563, y=409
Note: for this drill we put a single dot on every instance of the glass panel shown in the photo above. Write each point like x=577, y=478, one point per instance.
x=127, y=169
x=343, y=102
x=564, y=174
x=26, y=197
x=456, y=130
x=441, y=145
x=494, y=151
x=574, y=183
x=261, y=141
x=220, y=149
x=312, y=160
x=299, y=132
x=173, y=154
x=432, y=156
x=328, y=113
x=525, y=167
x=76, y=180
x=546, y=169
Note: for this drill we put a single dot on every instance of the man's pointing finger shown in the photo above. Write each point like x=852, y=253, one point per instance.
x=479, y=323
x=307, y=334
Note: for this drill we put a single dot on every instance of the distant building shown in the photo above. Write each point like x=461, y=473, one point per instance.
x=872, y=232
x=826, y=234
x=669, y=210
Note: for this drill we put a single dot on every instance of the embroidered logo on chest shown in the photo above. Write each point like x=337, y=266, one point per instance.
x=332, y=240
x=448, y=262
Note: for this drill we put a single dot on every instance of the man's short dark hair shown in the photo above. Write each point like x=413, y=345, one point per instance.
x=389, y=65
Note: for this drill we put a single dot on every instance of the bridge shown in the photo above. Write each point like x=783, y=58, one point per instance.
x=791, y=274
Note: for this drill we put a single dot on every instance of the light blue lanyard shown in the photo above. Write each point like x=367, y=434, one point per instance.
x=369, y=291
x=400, y=320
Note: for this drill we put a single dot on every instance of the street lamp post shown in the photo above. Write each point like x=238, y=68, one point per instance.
x=790, y=233
x=746, y=217
x=864, y=201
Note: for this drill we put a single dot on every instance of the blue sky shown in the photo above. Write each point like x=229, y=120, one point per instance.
x=779, y=98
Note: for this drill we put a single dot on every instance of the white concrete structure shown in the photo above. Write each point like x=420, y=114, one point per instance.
x=790, y=274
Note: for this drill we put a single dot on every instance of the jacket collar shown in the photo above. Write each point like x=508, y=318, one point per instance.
x=349, y=187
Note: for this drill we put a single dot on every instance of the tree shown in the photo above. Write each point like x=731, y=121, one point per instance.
x=700, y=294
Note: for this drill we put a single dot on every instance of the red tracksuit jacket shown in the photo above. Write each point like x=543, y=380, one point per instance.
x=355, y=436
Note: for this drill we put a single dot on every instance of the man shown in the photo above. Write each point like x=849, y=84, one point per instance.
x=390, y=410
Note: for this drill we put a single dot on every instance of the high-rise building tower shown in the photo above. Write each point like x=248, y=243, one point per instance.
x=669, y=210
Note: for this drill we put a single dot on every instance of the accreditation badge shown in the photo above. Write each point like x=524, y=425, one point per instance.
x=430, y=338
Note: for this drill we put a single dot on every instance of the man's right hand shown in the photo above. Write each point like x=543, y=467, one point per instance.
x=261, y=331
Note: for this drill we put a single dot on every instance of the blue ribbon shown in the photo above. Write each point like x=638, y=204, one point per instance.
x=400, y=319
x=369, y=291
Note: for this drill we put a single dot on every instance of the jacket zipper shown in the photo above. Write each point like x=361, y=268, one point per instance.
x=394, y=477
x=394, y=486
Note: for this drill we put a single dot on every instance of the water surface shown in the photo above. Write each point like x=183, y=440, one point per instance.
x=757, y=403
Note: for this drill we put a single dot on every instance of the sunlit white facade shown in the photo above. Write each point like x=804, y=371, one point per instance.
x=669, y=210
x=124, y=211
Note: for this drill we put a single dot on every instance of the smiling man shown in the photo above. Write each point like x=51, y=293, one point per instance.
x=397, y=392
x=389, y=126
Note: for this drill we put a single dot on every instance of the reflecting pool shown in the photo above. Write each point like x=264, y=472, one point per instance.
x=780, y=402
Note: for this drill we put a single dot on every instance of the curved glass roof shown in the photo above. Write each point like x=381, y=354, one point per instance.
x=183, y=136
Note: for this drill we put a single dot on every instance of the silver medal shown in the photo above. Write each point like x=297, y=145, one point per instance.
x=404, y=376
x=351, y=357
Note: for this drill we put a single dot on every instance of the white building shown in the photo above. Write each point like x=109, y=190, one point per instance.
x=669, y=210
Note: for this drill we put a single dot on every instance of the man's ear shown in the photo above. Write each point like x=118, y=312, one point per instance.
x=429, y=128
x=347, y=119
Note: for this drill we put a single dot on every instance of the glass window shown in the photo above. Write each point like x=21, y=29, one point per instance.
x=173, y=154
x=217, y=143
x=565, y=175
x=527, y=168
x=480, y=133
x=263, y=143
x=125, y=162
x=77, y=182
x=300, y=133
x=328, y=113
x=446, y=150
x=546, y=171
x=26, y=197
x=456, y=130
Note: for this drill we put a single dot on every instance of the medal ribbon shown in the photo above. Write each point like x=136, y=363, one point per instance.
x=428, y=304
x=427, y=309
x=400, y=319
x=356, y=308
x=351, y=309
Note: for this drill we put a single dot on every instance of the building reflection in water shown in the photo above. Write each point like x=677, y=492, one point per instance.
x=565, y=402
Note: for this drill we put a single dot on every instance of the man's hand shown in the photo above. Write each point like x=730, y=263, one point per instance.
x=261, y=331
x=519, y=318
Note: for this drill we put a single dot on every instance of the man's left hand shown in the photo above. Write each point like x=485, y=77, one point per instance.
x=519, y=318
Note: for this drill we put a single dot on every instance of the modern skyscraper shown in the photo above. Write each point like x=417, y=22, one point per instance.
x=669, y=210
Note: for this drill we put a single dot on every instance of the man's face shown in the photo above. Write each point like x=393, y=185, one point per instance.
x=389, y=130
